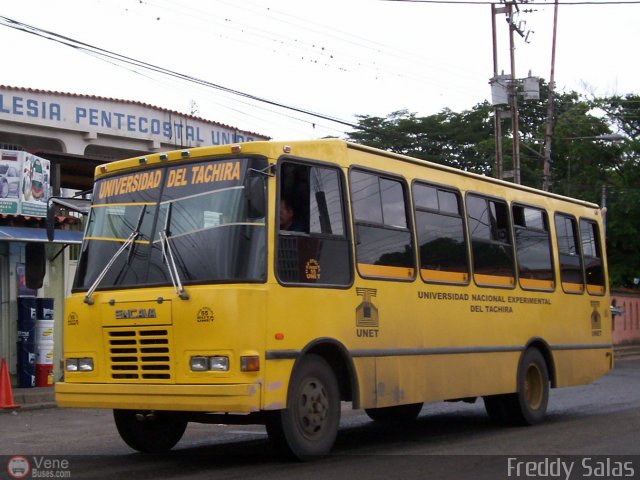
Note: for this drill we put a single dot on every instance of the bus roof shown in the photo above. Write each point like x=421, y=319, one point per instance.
x=274, y=149
x=475, y=176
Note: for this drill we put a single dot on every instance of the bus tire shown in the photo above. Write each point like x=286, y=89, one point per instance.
x=533, y=388
x=397, y=413
x=308, y=427
x=528, y=405
x=149, y=433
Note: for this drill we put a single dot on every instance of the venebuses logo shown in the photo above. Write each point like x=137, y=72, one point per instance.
x=18, y=467
x=38, y=467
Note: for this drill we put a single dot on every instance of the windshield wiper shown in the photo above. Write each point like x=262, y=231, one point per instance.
x=128, y=242
x=168, y=258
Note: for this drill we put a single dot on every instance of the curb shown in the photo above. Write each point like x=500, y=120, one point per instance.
x=624, y=352
x=32, y=399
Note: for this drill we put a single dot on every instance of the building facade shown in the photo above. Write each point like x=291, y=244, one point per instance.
x=69, y=135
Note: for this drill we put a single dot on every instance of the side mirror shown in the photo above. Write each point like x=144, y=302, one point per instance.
x=35, y=265
x=72, y=204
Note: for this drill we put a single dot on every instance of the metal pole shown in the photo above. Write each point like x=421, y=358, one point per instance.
x=496, y=110
x=546, y=176
x=603, y=209
x=514, y=101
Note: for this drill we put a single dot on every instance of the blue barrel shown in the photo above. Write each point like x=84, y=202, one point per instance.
x=26, y=365
x=27, y=316
x=44, y=309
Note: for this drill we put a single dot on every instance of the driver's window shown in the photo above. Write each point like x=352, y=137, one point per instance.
x=312, y=240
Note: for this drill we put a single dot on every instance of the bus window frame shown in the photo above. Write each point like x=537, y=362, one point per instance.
x=463, y=216
x=545, y=212
x=165, y=168
x=408, y=215
x=598, y=238
x=347, y=236
x=514, y=279
x=583, y=284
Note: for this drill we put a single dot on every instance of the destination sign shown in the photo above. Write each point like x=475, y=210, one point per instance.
x=185, y=179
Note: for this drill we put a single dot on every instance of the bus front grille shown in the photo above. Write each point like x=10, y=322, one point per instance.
x=140, y=354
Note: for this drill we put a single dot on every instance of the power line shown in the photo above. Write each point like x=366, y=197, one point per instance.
x=405, y=66
x=536, y=4
x=112, y=56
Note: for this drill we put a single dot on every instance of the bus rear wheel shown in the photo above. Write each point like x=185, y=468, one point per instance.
x=397, y=413
x=146, y=432
x=528, y=405
x=308, y=427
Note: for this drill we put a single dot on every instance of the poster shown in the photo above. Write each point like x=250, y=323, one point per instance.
x=10, y=177
x=24, y=184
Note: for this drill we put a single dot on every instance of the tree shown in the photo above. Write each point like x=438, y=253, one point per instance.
x=580, y=161
x=585, y=164
x=462, y=140
x=532, y=130
x=623, y=191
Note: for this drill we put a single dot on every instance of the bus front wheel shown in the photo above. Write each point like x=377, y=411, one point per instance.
x=308, y=427
x=528, y=405
x=149, y=432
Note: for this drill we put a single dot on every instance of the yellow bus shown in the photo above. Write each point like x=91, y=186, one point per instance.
x=269, y=282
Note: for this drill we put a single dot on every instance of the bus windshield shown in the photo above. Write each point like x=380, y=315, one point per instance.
x=204, y=214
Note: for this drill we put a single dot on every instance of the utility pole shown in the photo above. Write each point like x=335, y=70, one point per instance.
x=603, y=208
x=546, y=176
x=496, y=110
x=504, y=89
x=514, y=95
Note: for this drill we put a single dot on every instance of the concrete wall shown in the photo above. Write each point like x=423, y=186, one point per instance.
x=626, y=327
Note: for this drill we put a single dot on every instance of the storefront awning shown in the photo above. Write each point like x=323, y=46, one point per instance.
x=26, y=234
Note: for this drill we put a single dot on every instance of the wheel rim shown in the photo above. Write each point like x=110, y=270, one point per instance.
x=533, y=387
x=313, y=408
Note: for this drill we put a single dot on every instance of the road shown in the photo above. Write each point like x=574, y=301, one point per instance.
x=587, y=428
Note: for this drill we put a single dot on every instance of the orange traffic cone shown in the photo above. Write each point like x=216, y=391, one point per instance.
x=6, y=395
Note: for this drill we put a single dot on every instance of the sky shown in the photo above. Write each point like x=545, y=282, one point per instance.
x=337, y=58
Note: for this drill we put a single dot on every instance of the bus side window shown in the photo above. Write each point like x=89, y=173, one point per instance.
x=384, y=246
x=441, y=234
x=592, y=252
x=314, y=247
x=491, y=248
x=294, y=197
x=533, y=248
x=571, y=275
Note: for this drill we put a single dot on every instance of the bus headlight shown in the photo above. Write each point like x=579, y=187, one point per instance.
x=199, y=364
x=84, y=364
x=213, y=363
x=71, y=365
x=219, y=364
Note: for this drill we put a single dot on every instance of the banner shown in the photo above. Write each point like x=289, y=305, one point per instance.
x=24, y=184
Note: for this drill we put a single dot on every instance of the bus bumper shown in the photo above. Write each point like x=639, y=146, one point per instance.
x=240, y=398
